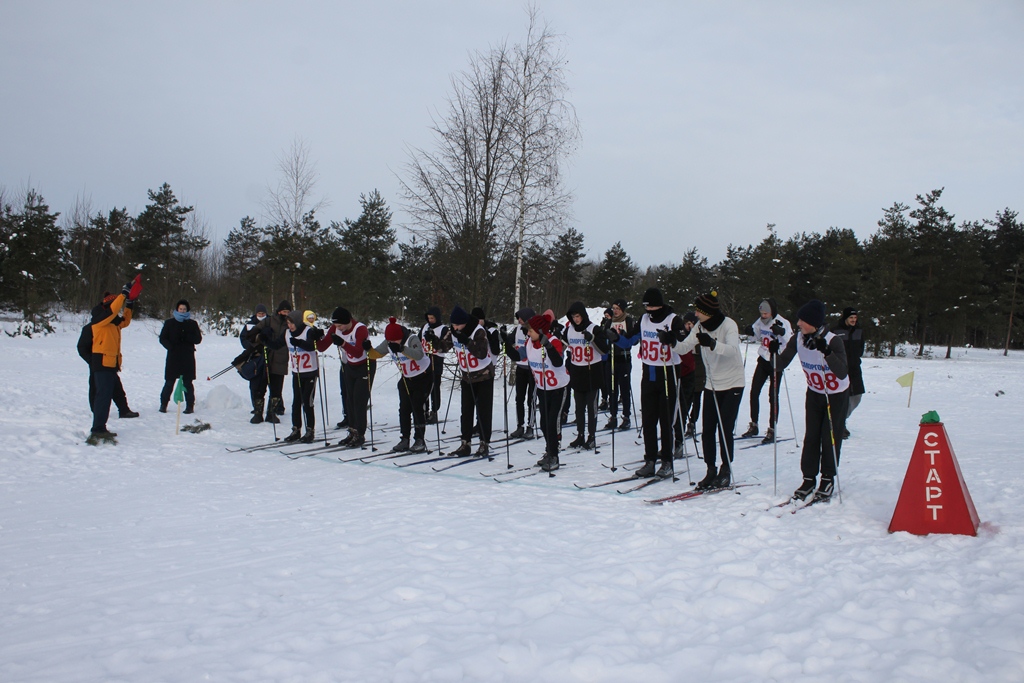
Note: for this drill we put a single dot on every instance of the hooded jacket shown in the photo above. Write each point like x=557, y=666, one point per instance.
x=106, y=334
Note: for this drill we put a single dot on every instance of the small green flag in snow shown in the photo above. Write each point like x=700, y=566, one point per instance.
x=179, y=390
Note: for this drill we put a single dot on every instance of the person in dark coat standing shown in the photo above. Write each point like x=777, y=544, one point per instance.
x=853, y=339
x=179, y=336
x=271, y=333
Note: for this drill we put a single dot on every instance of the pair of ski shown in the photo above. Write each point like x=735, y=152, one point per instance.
x=524, y=472
x=761, y=443
x=644, y=484
x=796, y=505
x=689, y=495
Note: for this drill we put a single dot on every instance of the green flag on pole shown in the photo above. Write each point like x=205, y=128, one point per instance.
x=179, y=390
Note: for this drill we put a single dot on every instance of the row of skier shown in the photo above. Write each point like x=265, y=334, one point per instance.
x=584, y=357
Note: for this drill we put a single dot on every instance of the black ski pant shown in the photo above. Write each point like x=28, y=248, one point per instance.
x=686, y=387
x=478, y=400
x=119, y=397
x=190, y=391
x=763, y=373
x=657, y=405
x=695, y=404
x=357, y=395
x=303, y=394
x=257, y=392
x=723, y=404
x=550, y=403
x=105, y=381
x=586, y=411
x=620, y=387
x=525, y=392
x=437, y=373
x=413, y=395
x=276, y=384
x=817, y=455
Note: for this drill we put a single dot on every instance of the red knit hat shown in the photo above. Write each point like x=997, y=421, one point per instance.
x=541, y=323
x=393, y=332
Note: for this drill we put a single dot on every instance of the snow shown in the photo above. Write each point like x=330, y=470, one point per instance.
x=168, y=558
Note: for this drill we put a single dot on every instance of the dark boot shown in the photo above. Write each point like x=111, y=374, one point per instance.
x=463, y=450
x=824, y=492
x=272, y=417
x=308, y=437
x=127, y=413
x=294, y=436
x=665, y=471
x=708, y=482
x=163, y=407
x=647, y=470
x=769, y=437
x=578, y=442
x=806, y=489
x=612, y=423
x=402, y=445
x=419, y=446
x=528, y=433
x=549, y=463
x=518, y=433
x=256, y=419
x=343, y=424
x=189, y=410
x=624, y=425
x=751, y=431
x=432, y=417
x=591, y=444
x=724, y=477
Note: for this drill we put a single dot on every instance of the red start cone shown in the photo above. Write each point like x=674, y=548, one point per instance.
x=934, y=498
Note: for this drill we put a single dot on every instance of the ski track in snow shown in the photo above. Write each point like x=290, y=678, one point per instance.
x=166, y=558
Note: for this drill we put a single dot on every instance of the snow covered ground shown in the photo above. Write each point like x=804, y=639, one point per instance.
x=168, y=558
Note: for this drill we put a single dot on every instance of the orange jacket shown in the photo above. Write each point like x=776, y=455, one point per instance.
x=106, y=337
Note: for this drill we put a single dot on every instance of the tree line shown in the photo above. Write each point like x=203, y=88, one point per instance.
x=921, y=277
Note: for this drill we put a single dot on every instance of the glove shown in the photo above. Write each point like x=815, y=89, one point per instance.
x=817, y=344
x=666, y=337
x=337, y=341
x=587, y=336
x=777, y=329
x=461, y=335
x=367, y=345
x=612, y=335
x=556, y=327
x=395, y=347
x=705, y=340
x=429, y=335
x=773, y=347
x=127, y=289
x=504, y=331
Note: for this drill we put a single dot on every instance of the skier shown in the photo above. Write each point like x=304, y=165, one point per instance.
x=719, y=339
x=305, y=365
x=471, y=344
x=700, y=377
x=101, y=311
x=769, y=326
x=106, y=355
x=606, y=381
x=620, y=324
x=437, y=328
x=258, y=383
x=544, y=352
x=658, y=330
x=516, y=340
x=823, y=358
x=354, y=339
x=853, y=340
x=687, y=376
x=271, y=333
x=587, y=343
x=179, y=336
x=403, y=346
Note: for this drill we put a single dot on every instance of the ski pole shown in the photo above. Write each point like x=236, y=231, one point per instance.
x=775, y=436
x=504, y=372
x=721, y=424
x=272, y=409
x=323, y=410
x=440, y=378
x=788, y=402
x=369, y=397
x=216, y=375
x=614, y=429
x=832, y=436
x=451, y=391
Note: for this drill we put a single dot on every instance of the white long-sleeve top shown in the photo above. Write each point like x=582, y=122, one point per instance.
x=724, y=363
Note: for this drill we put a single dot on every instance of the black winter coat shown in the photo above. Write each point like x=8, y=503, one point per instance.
x=180, y=340
x=853, y=340
x=271, y=334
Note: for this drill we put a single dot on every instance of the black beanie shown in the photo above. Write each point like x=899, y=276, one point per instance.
x=707, y=303
x=183, y=301
x=284, y=306
x=652, y=297
x=812, y=313
x=459, y=316
x=260, y=308
x=690, y=317
x=478, y=313
x=341, y=316
x=848, y=311
x=525, y=313
x=621, y=303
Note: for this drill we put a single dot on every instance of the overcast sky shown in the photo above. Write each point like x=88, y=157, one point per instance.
x=701, y=121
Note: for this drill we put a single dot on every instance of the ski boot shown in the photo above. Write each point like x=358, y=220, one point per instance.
x=294, y=436
x=163, y=407
x=528, y=433
x=419, y=446
x=647, y=470
x=724, y=477
x=612, y=423
x=824, y=492
x=483, y=449
x=432, y=417
x=806, y=489
x=517, y=434
x=341, y=425
x=462, y=451
x=624, y=425
x=751, y=431
x=358, y=441
x=97, y=438
x=591, y=444
x=127, y=413
x=308, y=437
x=769, y=437
x=691, y=429
x=578, y=442
x=677, y=454
x=603, y=405
x=708, y=482
x=402, y=445
x=256, y=419
x=272, y=417
x=549, y=463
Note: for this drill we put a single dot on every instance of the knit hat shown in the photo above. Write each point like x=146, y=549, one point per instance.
x=541, y=323
x=478, y=313
x=652, y=297
x=341, y=316
x=459, y=316
x=284, y=306
x=525, y=313
x=609, y=312
x=108, y=298
x=180, y=302
x=393, y=332
x=848, y=311
x=690, y=317
x=296, y=318
x=549, y=314
x=812, y=313
x=621, y=303
x=260, y=308
x=707, y=303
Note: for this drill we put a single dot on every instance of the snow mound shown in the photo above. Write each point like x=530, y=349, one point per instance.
x=222, y=398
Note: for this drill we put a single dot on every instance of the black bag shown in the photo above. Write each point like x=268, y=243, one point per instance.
x=252, y=368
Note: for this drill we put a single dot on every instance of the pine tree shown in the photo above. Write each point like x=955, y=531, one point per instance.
x=613, y=278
